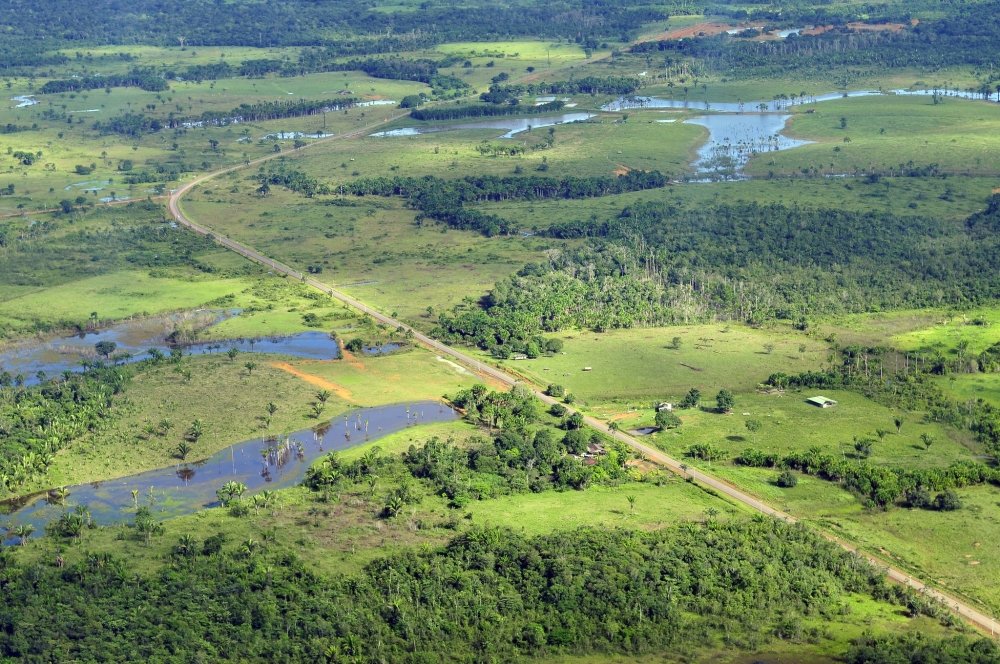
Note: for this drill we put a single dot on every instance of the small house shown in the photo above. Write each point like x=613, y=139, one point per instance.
x=821, y=402
x=663, y=405
x=587, y=369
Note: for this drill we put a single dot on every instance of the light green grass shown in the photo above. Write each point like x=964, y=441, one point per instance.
x=637, y=367
x=959, y=136
x=949, y=329
x=789, y=424
x=601, y=507
x=372, y=250
x=115, y=296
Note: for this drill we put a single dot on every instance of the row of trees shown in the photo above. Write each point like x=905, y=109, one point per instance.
x=145, y=78
x=444, y=200
x=501, y=93
x=136, y=124
x=484, y=111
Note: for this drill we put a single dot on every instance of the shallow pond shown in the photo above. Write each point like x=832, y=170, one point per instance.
x=24, y=101
x=733, y=139
x=755, y=106
x=135, y=338
x=185, y=488
x=289, y=135
x=510, y=124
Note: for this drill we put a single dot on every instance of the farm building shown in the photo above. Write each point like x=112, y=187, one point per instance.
x=821, y=401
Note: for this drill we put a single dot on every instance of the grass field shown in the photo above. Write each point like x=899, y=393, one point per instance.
x=953, y=199
x=65, y=145
x=636, y=367
x=370, y=249
x=959, y=136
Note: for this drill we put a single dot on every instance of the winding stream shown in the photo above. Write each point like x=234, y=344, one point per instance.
x=185, y=488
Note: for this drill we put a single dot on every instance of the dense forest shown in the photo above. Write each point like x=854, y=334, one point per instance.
x=657, y=264
x=968, y=36
x=351, y=26
x=488, y=595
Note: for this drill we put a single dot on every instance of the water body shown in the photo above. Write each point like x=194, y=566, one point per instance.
x=89, y=185
x=754, y=106
x=185, y=488
x=24, y=101
x=510, y=124
x=733, y=139
x=135, y=338
x=288, y=135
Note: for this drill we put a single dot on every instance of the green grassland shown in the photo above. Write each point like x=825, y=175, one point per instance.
x=952, y=199
x=959, y=136
x=598, y=146
x=633, y=369
x=637, y=366
x=370, y=249
x=65, y=145
x=514, y=57
x=954, y=549
x=978, y=327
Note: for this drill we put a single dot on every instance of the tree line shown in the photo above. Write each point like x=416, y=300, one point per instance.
x=589, y=85
x=483, y=111
x=444, y=200
x=136, y=124
x=145, y=78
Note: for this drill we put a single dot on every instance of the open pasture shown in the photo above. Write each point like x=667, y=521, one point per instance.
x=953, y=199
x=370, y=248
x=639, y=366
x=885, y=133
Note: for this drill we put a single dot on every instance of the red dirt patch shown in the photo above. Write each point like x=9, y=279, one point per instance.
x=312, y=379
x=621, y=169
x=706, y=29
x=350, y=358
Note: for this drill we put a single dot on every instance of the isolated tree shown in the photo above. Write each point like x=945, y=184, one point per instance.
x=787, y=479
x=675, y=343
x=232, y=353
x=863, y=446
x=195, y=431
x=898, y=421
x=22, y=532
x=927, y=440
x=230, y=491
x=753, y=426
x=667, y=420
x=183, y=449
x=323, y=396
x=146, y=527
x=250, y=365
x=555, y=390
x=631, y=503
x=725, y=401
x=105, y=348
x=691, y=399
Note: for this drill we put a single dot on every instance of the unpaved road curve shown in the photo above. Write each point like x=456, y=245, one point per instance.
x=976, y=618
